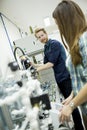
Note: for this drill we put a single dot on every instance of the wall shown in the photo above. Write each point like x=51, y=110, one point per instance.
x=8, y=32
x=32, y=12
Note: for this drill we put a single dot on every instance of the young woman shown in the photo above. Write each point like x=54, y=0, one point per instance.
x=73, y=30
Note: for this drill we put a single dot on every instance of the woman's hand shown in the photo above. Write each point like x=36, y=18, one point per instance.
x=67, y=100
x=66, y=110
x=65, y=113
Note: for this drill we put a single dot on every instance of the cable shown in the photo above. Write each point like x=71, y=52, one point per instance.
x=16, y=50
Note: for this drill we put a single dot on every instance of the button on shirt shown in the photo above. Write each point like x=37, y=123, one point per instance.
x=54, y=52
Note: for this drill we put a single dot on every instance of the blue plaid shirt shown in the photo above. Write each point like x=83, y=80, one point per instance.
x=79, y=73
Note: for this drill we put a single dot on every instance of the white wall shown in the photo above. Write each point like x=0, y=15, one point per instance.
x=32, y=12
x=12, y=29
x=6, y=52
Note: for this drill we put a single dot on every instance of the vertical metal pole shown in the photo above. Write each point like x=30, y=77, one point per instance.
x=6, y=33
x=7, y=117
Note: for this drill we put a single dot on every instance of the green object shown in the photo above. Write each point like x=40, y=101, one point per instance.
x=31, y=30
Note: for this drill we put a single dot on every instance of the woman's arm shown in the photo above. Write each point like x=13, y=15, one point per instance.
x=68, y=99
x=81, y=96
x=76, y=101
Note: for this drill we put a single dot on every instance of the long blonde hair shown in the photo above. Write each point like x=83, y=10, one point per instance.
x=71, y=23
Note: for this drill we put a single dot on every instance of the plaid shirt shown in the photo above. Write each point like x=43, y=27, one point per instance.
x=79, y=73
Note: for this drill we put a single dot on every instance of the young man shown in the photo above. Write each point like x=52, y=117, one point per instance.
x=55, y=57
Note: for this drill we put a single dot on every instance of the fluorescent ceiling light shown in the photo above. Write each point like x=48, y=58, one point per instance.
x=47, y=21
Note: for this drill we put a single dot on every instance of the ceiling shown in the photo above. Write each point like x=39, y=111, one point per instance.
x=25, y=13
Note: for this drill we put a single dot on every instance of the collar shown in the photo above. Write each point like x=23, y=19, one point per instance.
x=47, y=43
